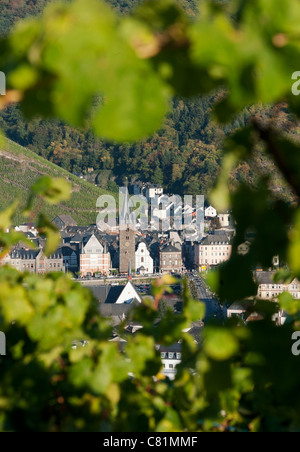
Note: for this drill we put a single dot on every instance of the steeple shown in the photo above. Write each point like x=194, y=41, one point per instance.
x=125, y=214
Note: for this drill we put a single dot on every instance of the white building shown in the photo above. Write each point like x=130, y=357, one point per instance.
x=27, y=228
x=154, y=190
x=171, y=358
x=213, y=250
x=226, y=220
x=143, y=260
x=268, y=289
x=210, y=212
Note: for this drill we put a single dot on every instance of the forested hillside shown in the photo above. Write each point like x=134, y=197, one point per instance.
x=13, y=10
x=184, y=156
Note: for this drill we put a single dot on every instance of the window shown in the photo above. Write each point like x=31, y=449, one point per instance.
x=171, y=355
x=178, y=355
x=163, y=355
x=171, y=366
x=142, y=259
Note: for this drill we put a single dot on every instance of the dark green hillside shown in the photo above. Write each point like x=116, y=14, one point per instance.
x=20, y=168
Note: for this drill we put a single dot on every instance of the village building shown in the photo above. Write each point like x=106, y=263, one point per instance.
x=64, y=221
x=212, y=250
x=143, y=260
x=94, y=257
x=170, y=259
x=34, y=261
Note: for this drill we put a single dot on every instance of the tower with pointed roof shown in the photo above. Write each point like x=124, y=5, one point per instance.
x=127, y=236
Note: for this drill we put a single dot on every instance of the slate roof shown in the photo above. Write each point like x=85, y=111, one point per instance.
x=116, y=310
x=30, y=236
x=241, y=306
x=170, y=249
x=175, y=348
x=197, y=333
x=139, y=241
x=107, y=294
x=78, y=238
x=67, y=220
x=23, y=254
x=265, y=277
x=219, y=239
x=78, y=229
x=67, y=250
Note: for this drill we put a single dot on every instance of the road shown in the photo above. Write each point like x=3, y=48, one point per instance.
x=213, y=308
x=118, y=279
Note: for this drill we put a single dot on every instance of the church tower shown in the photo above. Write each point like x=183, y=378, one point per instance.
x=127, y=237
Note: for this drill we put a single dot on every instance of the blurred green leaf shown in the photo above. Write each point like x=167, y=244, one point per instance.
x=7, y=216
x=289, y=304
x=50, y=232
x=220, y=344
x=52, y=190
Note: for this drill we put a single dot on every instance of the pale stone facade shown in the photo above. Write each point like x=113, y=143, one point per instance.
x=94, y=259
x=213, y=250
x=268, y=289
x=33, y=261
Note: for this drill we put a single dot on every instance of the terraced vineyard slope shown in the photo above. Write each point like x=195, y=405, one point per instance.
x=20, y=168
